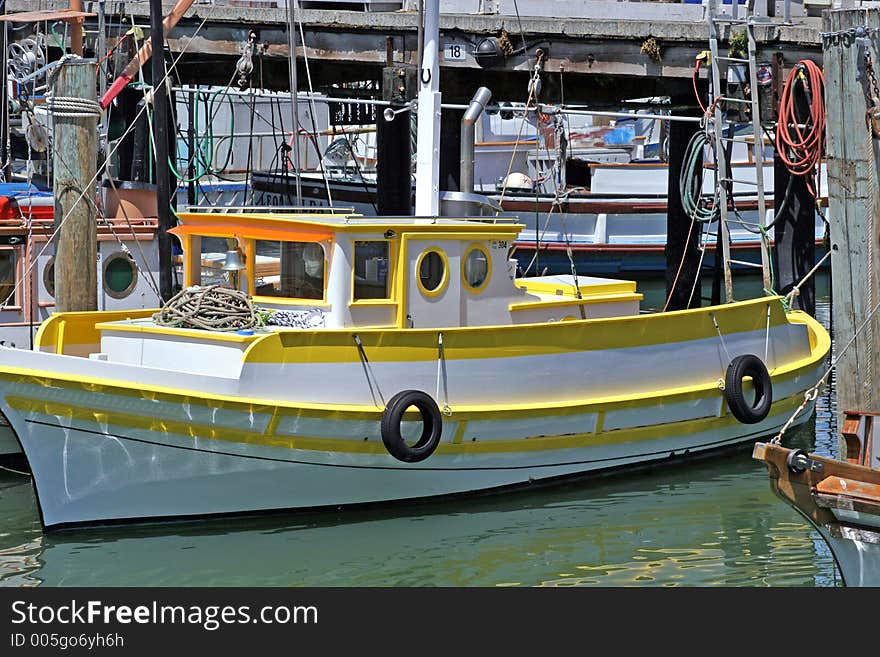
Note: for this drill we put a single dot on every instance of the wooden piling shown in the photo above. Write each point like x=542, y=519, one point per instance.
x=854, y=208
x=74, y=160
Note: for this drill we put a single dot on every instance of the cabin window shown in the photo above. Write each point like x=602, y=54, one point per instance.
x=120, y=275
x=432, y=268
x=294, y=270
x=476, y=268
x=371, y=270
x=7, y=277
x=212, y=256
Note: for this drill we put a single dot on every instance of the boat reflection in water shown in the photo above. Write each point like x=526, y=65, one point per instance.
x=710, y=523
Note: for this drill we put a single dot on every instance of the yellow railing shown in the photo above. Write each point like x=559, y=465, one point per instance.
x=74, y=333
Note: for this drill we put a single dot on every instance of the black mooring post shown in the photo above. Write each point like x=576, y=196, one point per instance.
x=450, y=150
x=393, y=143
x=160, y=137
x=794, y=233
x=191, y=148
x=681, y=251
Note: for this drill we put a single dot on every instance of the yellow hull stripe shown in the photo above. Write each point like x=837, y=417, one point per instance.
x=540, y=443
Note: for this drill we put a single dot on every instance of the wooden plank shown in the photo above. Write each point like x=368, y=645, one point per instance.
x=853, y=204
x=39, y=16
x=850, y=488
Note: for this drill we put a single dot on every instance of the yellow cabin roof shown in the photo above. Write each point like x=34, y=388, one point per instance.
x=317, y=227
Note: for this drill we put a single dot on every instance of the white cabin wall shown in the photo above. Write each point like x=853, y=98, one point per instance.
x=492, y=304
x=443, y=310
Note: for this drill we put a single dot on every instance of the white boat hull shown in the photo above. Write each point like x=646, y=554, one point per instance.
x=857, y=552
x=92, y=471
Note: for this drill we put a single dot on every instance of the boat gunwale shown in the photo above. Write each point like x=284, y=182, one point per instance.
x=819, y=348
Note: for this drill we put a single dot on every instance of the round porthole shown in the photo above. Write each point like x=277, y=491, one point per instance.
x=49, y=276
x=476, y=268
x=120, y=275
x=432, y=272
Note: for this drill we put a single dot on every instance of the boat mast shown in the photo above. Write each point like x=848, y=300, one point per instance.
x=294, y=103
x=428, y=147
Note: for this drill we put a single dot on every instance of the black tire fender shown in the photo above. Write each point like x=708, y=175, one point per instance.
x=743, y=410
x=432, y=426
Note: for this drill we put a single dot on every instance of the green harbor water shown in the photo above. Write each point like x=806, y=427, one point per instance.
x=705, y=523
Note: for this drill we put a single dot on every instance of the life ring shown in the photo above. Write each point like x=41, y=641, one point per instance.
x=432, y=426
x=743, y=410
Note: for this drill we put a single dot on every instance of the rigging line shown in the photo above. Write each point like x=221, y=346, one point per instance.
x=248, y=176
x=699, y=266
x=153, y=284
x=312, y=107
x=94, y=178
x=357, y=166
x=212, y=108
x=718, y=330
x=813, y=392
x=521, y=33
x=532, y=88
x=369, y=371
x=557, y=203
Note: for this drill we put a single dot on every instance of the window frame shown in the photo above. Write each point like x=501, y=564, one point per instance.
x=464, y=258
x=444, y=281
x=391, y=278
x=251, y=254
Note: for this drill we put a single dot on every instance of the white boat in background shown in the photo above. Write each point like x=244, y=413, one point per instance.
x=841, y=499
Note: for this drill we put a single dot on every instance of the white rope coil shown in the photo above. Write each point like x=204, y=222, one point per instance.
x=212, y=308
x=73, y=107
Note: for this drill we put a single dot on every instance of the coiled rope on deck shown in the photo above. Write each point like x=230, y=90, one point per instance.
x=212, y=308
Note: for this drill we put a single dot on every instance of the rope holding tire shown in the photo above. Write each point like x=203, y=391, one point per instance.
x=748, y=365
x=432, y=426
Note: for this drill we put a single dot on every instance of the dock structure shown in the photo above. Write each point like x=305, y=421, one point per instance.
x=850, y=50
x=603, y=43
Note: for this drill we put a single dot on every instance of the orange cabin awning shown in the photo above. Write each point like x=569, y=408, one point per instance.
x=292, y=234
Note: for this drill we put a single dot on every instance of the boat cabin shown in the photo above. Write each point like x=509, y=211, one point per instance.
x=338, y=271
x=342, y=270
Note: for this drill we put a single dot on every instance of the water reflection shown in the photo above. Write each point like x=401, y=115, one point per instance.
x=713, y=522
x=709, y=524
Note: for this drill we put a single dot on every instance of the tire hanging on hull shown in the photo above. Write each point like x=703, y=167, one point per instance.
x=392, y=418
x=748, y=365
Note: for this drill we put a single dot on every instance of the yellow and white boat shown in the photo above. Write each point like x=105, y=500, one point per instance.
x=507, y=381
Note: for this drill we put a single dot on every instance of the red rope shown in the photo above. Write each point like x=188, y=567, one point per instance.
x=801, y=148
x=694, y=81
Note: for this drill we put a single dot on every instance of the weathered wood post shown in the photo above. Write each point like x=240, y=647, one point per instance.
x=75, y=116
x=854, y=204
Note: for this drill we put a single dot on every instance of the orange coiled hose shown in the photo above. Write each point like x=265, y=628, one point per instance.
x=800, y=140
